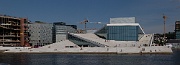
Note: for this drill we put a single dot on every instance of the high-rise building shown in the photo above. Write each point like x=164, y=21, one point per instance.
x=13, y=31
x=177, y=29
x=40, y=33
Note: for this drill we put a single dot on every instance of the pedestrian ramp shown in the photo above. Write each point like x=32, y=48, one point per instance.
x=90, y=37
x=58, y=45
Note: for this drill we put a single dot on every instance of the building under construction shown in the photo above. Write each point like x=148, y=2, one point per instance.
x=13, y=31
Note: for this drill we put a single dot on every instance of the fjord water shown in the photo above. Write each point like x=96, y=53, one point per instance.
x=91, y=59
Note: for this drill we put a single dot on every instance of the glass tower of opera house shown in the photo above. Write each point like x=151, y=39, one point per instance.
x=120, y=32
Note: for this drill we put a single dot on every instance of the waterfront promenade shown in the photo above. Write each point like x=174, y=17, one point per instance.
x=95, y=50
x=114, y=47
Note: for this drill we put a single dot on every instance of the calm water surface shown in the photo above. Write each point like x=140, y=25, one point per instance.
x=91, y=59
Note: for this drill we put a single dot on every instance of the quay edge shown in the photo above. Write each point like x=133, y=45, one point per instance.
x=98, y=50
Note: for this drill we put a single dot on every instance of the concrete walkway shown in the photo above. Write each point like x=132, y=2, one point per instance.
x=118, y=50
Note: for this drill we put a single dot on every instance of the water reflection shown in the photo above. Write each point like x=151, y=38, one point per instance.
x=91, y=59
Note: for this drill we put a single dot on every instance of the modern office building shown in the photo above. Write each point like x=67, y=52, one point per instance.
x=177, y=29
x=60, y=30
x=13, y=31
x=40, y=33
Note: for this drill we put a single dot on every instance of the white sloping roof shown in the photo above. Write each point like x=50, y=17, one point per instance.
x=124, y=24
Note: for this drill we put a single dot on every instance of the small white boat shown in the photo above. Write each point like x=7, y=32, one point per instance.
x=169, y=45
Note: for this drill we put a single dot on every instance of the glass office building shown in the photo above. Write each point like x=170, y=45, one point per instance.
x=60, y=30
x=177, y=29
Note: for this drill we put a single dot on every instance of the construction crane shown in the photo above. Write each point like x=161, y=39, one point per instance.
x=95, y=22
x=164, y=17
x=84, y=22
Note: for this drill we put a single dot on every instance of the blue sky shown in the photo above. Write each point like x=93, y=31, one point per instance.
x=147, y=12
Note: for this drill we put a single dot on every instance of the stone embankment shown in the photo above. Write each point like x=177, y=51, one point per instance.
x=93, y=50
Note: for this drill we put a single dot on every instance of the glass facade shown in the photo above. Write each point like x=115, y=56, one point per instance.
x=177, y=29
x=80, y=42
x=102, y=33
x=177, y=34
x=121, y=29
x=60, y=30
x=122, y=33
